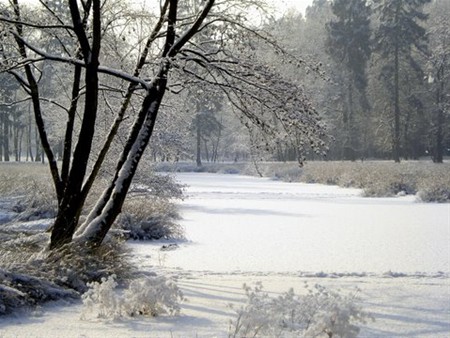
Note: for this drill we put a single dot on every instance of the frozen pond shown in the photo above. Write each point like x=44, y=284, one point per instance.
x=239, y=223
x=278, y=233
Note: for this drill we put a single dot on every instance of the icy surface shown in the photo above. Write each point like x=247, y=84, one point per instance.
x=250, y=224
x=395, y=250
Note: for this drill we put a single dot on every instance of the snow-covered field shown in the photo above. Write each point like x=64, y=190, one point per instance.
x=243, y=230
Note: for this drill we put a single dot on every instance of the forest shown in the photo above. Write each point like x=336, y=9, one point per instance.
x=377, y=73
x=140, y=111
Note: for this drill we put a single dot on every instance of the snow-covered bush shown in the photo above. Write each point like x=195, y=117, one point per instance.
x=320, y=312
x=256, y=317
x=148, y=296
x=152, y=296
x=149, y=218
x=101, y=300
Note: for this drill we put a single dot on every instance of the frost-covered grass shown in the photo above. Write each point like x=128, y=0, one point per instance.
x=31, y=187
x=431, y=182
x=76, y=266
x=33, y=275
x=148, y=213
x=377, y=178
x=20, y=290
x=27, y=196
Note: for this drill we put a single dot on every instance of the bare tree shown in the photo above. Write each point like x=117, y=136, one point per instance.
x=169, y=58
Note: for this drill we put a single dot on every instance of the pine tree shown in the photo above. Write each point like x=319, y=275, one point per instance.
x=439, y=77
x=398, y=37
x=349, y=46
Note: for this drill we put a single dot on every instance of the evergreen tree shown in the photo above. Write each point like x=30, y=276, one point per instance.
x=398, y=37
x=439, y=78
x=348, y=44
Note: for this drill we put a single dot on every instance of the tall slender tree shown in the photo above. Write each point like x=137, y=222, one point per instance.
x=439, y=76
x=348, y=44
x=398, y=37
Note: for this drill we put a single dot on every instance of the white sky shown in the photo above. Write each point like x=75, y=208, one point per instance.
x=284, y=5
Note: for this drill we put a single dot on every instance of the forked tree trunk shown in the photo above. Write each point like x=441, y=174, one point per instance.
x=93, y=233
x=66, y=221
x=73, y=185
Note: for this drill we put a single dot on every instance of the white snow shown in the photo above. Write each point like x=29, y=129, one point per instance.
x=243, y=229
x=249, y=224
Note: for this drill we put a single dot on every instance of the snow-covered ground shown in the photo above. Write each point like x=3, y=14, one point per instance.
x=243, y=230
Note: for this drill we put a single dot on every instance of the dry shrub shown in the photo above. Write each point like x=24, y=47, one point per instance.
x=75, y=265
x=72, y=266
x=376, y=178
x=149, y=218
x=436, y=186
x=32, y=189
x=31, y=275
x=385, y=179
x=207, y=167
x=19, y=249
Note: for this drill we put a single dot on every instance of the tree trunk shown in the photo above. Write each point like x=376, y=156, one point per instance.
x=37, y=156
x=2, y=116
x=438, y=154
x=16, y=134
x=6, y=137
x=215, y=154
x=71, y=197
x=66, y=221
x=407, y=151
x=94, y=232
x=205, y=143
x=29, y=137
x=439, y=151
x=22, y=131
x=199, y=146
x=350, y=142
x=396, y=140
